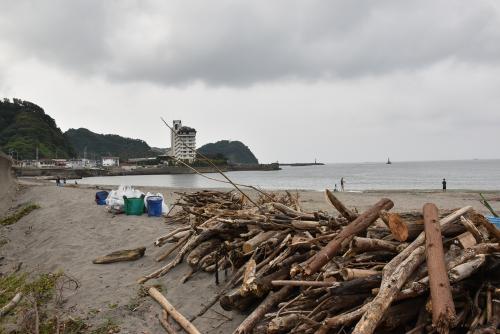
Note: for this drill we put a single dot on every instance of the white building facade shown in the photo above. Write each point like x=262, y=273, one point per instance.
x=183, y=141
x=110, y=161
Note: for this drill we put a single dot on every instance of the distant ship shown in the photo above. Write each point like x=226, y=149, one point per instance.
x=388, y=161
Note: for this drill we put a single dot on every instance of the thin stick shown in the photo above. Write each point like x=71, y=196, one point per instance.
x=487, y=205
x=181, y=320
x=10, y=305
x=169, y=328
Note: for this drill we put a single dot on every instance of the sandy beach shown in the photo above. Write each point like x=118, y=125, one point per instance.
x=70, y=230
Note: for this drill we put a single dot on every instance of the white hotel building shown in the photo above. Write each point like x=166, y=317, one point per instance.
x=183, y=142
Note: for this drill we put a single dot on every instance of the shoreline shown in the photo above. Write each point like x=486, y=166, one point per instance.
x=368, y=191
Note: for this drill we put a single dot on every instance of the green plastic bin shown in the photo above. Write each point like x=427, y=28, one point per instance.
x=134, y=206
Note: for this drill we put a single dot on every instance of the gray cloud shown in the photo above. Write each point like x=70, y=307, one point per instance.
x=244, y=43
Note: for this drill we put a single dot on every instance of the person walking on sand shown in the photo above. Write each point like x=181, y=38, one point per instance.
x=444, y=184
x=342, y=183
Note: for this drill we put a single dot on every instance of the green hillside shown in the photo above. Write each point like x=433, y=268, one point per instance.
x=24, y=126
x=99, y=145
x=234, y=151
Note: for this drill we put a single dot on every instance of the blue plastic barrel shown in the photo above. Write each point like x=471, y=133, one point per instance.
x=154, y=206
x=495, y=221
x=100, y=197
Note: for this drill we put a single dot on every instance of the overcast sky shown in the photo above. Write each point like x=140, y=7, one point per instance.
x=340, y=81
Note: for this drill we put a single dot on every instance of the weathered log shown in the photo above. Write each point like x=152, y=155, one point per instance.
x=360, y=245
x=283, y=324
x=293, y=213
x=443, y=309
x=170, y=250
x=444, y=223
x=249, y=278
x=220, y=230
x=466, y=240
x=161, y=240
x=302, y=283
x=121, y=255
x=341, y=208
x=201, y=250
x=355, y=286
x=269, y=302
x=399, y=229
x=165, y=324
x=388, y=292
x=11, y=304
x=492, y=229
x=373, y=311
x=469, y=225
x=233, y=300
x=181, y=320
x=305, y=224
x=352, y=273
x=254, y=242
x=355, y=227
x=465, y=270
x=400, y=314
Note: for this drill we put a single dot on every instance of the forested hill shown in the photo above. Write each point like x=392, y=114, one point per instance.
x=234, y=151
x=99, y=145
x=24, y=126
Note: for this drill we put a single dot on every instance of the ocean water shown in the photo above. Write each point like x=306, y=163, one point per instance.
x=467, y=174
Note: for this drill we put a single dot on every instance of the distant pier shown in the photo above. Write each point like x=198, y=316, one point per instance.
x=300, y=164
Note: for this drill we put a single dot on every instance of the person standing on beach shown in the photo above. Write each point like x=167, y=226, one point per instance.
x=444, y=184
x=58, y=181
x=342, y=183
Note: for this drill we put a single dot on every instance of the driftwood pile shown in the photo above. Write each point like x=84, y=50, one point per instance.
x=310, y=272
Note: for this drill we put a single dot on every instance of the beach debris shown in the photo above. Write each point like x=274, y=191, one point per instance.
x=314, y=272
x=181, y=320
x=11, y=304
x=443, y=309
x=165, y=323
x=121, y=255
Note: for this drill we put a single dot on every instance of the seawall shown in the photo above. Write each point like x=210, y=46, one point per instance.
x=79, y=173
x=7, y=183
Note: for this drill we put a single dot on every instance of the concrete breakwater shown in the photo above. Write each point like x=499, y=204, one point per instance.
x=185, y=170
x=79, y=173
x=68, y=173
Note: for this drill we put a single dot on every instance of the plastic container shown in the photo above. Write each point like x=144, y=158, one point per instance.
x=154, y=206
x=134, y=206
x=495, y=221
x=100, y=197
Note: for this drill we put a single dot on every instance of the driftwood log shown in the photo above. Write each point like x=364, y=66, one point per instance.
x=341, y=208
x=121, y=255
x=11, y=304
x=181, y=320
x=443, y=309
x=359, y=224
x=271, y=300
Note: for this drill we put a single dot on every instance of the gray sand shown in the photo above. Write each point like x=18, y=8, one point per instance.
x=70, y=230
